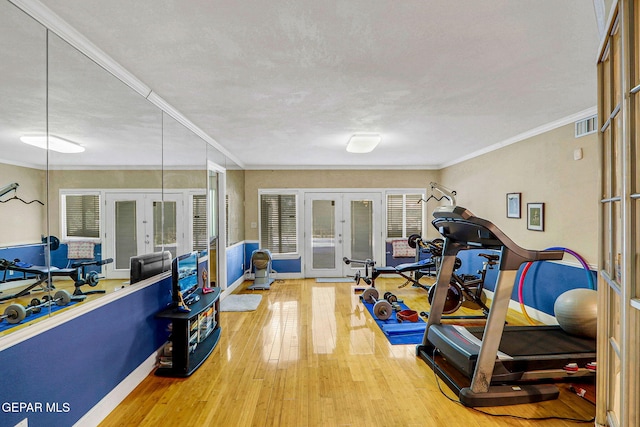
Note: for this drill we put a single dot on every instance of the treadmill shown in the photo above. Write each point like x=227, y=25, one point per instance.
x=496, y=365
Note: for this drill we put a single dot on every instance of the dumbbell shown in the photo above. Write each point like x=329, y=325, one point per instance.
x=390, y=297
x=60, y=298
x=393, y=299
x=382, y=308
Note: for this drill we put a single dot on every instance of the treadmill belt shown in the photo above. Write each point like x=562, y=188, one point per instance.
x=539, y=341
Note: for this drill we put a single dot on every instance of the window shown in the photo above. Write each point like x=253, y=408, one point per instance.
x=404, y=215
x=81, y=213
x=200, y=238
x=278, y=223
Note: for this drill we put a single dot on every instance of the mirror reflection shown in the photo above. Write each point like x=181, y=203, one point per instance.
x=184, y=198
x=23, y=195
x=104, y=212
x=107, y=176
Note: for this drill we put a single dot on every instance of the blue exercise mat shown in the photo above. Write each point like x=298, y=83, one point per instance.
x=4, y=325
x=399, y=332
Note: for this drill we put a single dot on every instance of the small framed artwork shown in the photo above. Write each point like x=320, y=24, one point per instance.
x=513, y=205
x=535, y=216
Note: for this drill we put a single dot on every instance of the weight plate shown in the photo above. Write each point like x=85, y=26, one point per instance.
x=34, y=302
x=46, y=298
x=92, y=278
x=412, y=241
x=15, y=313
x=62, y=297
x=454, y=298
x=370, y=295
x=382, y=309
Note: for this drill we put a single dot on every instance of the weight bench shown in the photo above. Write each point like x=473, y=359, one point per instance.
x=401, y=270
x=41, y=273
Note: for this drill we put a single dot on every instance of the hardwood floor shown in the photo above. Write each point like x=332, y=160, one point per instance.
x=311, y=355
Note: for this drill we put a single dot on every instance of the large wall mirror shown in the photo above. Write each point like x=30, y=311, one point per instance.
x=107, y=176
x=23, y=167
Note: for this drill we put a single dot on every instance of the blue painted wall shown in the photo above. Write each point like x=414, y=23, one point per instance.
x=544, y=282
x=235, y=263
x=34, y=254
x=74, y=365
x=279, y=265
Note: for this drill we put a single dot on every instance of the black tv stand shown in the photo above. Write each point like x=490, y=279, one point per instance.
x=194, y=335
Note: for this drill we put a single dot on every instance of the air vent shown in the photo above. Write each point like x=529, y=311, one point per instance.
x=586, y=126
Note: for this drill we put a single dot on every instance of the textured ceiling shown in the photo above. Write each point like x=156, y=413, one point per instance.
x=284, y=83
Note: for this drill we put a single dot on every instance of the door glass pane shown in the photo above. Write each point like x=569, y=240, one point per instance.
x=614, y=397
x=635, y=254
x=323, y=238
x=616, y=155
x=606, y=238
x=165, y=219
x=635, y=145
x=213, y=227
x=362, y=229
x=125, y=233
x=616, y=242
x=616, y=62
x=606, y=88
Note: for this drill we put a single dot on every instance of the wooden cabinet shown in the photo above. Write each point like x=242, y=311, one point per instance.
x=194, y=335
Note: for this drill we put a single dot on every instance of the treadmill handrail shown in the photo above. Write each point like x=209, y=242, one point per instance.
x=460, y=225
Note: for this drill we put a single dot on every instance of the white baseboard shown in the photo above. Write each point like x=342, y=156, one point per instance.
x=108, y=403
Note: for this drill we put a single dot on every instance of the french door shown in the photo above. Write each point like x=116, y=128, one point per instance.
x=140, y=223
x=341, y=225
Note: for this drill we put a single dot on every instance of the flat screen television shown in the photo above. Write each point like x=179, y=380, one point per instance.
x=148, y=265
x=185, y=276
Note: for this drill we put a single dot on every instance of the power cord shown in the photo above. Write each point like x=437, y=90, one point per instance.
x=575, y=420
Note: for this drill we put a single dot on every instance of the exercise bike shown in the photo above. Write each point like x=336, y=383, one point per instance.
x=465, y=290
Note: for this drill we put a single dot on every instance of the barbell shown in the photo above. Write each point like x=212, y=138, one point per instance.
x=382, y=308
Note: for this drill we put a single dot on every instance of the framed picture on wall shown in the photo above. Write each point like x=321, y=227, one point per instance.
x=513, y=205
x=535, y=216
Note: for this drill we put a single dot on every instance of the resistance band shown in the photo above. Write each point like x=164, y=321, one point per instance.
x=528, y=265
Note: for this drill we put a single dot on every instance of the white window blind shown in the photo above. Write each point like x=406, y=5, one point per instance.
x=82, y=215
x=200, y=238
x=413, y=214
x=404, y=215
x=395, y=204
x=278, y=223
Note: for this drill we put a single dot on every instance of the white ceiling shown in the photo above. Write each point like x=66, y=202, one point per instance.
x=284, y=83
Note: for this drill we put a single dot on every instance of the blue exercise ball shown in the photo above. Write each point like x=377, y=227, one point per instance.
x=576, y=311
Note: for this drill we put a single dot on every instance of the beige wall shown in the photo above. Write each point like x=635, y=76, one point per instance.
x=258, y=179
x=22, y=223
x=543, y=170
x=235, y=192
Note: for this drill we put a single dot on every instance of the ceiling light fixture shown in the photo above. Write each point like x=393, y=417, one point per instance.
x=363, y=142
x=55, y=143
